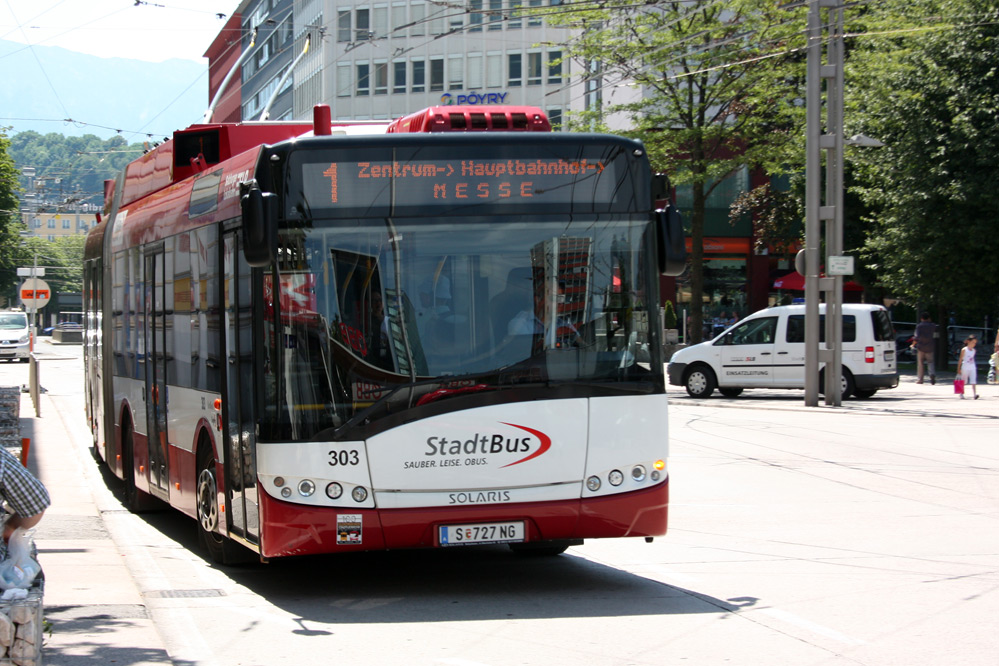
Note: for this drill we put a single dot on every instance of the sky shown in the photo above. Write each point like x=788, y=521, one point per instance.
x=154, y=31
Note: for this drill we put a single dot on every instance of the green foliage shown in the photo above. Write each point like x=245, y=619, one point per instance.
x=777, y=218
x=62, y=259
x=932, y=96
x=9, y=214
x=81, y=163
x=669, y=315
x=719, y=84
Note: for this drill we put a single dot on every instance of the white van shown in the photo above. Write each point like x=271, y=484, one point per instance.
x=767, y=350
x=14, y=336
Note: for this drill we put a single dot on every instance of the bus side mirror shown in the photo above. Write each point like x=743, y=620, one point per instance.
x=672, y=249
x=259, y=224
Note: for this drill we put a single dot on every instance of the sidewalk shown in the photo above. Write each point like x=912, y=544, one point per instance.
x=95, y=611
x=908, y=398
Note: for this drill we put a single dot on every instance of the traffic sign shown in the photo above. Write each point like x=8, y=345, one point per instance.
x=840, y=265
x=35, y=293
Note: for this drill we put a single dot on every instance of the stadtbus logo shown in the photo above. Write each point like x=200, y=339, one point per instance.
x=529, y=443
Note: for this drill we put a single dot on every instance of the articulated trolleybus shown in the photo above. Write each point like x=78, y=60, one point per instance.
x=314, y=342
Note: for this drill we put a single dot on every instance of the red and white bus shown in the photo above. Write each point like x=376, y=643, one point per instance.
x=317, y=343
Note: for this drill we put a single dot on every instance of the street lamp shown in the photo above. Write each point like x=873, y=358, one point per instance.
x=863, y=141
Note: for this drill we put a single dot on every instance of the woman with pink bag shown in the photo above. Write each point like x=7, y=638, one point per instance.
x=967, y=372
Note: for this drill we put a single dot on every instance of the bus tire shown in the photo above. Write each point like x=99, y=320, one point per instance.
x=95, y=450
x=135, y=500
x=220, y=548
x=700, y=381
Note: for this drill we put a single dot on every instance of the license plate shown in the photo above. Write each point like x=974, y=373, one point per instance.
x=479, y=533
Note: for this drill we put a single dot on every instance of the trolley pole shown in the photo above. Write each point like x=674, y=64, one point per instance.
x=824, y=218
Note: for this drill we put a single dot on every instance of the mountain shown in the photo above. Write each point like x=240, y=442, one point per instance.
x=41, y=86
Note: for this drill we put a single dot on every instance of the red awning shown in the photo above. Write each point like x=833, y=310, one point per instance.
x=795, y=281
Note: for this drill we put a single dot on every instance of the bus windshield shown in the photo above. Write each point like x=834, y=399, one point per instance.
x=409, y=273
x=368, y=306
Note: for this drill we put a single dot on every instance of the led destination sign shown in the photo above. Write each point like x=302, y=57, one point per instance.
x=462, y=179
x=396, y=187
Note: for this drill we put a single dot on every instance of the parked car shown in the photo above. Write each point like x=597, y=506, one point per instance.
x=62, y=326
x=14, y=336
x=767, y=350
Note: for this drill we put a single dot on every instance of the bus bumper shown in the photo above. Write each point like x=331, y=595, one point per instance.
x=293, y=529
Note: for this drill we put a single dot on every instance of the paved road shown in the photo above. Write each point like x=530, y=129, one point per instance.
x=865, y=534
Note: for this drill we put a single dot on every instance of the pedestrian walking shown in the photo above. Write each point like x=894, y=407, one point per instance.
x=924, y=341
x=966, y=368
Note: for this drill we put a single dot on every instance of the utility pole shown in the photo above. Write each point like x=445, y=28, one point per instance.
x=824, y=71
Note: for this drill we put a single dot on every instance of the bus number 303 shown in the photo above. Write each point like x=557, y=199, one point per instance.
x=344, y=458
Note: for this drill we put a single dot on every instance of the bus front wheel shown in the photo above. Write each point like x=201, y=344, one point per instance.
x=221, y=549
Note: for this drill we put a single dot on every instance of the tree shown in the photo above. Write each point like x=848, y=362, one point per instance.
x=932, y=97
x=669, y=315
x=777, y=218
x=10, y=217
x=80, y=163
x=719, y=86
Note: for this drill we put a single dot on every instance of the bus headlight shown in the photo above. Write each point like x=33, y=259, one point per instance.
x=593, y=484
x=334, y=490
x=638, y=473
x=359, y=493
x=286, y=492
x=615, y=477
x=306, y=488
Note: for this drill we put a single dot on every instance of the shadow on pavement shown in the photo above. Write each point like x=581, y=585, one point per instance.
x=458, y=584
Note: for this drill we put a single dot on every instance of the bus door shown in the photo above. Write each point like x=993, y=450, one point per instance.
x=155, y=314
x=240, y=458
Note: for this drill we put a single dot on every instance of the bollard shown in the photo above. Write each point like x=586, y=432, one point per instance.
x=25, y=445
x=33, y=384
